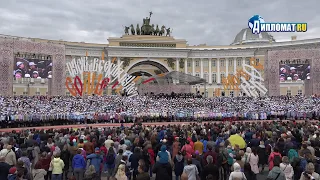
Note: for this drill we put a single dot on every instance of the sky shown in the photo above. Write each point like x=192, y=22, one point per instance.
x=210, y=22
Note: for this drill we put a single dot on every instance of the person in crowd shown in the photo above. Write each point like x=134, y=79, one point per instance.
x=12, y=173
x=187, y=149
x=198, y=146
x=108, y=142
x=178, y=164
x=254, y=161
x=91, y=174
x=309, y=173
x=4, y=168
x=210, y=171
x=56, y=167
x=237, y=174
x=78, y=166
x=10, y=156
x=275, y=156
x=162, y=170
x=38, y=173
x=121, y=172
x=65, y=156
x=263, y=157
x=238, y=159
x=22, y=170
x=247, y=170
x=276, y=173
x=96, y=160
x=286, y=168
x=191, y=170
x=143, y=175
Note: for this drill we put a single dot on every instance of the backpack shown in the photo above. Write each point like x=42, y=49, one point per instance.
x=277, y=158
x=110, y=159
x=30, y=155
x=292, y=154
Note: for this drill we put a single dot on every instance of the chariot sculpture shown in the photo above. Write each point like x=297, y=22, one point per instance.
x=147, y=28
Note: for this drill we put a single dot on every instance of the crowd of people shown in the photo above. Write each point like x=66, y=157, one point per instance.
x=21, y=111
x=206, y=151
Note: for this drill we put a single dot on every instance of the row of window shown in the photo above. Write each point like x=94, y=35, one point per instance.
x=222, y=62
x=289, y=92
x=26, y=93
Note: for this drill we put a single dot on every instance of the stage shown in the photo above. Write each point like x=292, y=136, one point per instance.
x=103, y=125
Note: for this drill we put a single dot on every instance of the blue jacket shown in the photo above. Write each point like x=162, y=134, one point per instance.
x=95, y=160
x=163, y=155
x=78, y=162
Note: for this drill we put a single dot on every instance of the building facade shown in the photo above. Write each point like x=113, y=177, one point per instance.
x=149, y=55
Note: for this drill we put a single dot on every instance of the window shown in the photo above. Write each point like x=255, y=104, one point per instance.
x=222, y=75
x=205, y=62
x=248, y=61
x=239, y=62
x=288, y=92
x=299, y=92
x=37, y=93
x=213, y=63
x=231, y=62
x=197, y=74
x=189, y=63
x=214, y=78
x=231, y=93
x=222, y=62
x=197, y=63
x=257, y=62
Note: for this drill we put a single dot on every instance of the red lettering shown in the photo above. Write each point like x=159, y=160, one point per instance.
x=79, y=89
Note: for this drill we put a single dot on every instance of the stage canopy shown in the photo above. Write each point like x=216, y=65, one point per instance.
x=181, y=77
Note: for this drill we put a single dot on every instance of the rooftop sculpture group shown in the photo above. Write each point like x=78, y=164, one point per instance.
x=147, y=29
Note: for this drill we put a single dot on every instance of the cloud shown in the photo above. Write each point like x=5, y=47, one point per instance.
x=208, y=22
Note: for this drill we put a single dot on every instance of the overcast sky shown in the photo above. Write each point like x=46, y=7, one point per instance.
x=204, y=21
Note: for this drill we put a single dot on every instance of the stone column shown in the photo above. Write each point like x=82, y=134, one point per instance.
x=177, y=64
x=218, y=71
x=193, y=67
x=118, y=63
x=234, y=66
x=177, y=68
x=210, y=71
x=201, y=68
x=186, y=66
x=243, y=60
x=227, y=67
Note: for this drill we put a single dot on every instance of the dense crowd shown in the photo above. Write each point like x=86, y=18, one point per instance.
x=20, y=111
x=206, y=151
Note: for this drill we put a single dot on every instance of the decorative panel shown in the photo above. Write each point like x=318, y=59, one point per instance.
x=6, y=66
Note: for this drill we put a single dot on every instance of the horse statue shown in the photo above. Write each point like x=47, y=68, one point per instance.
x=138, y=29
x=162, y=30
x=152, y=29
x=156, y=32
x=133, y=32
x=126, y=30
x=168, y=32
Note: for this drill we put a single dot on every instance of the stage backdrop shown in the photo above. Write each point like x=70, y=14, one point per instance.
x=10, y=46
